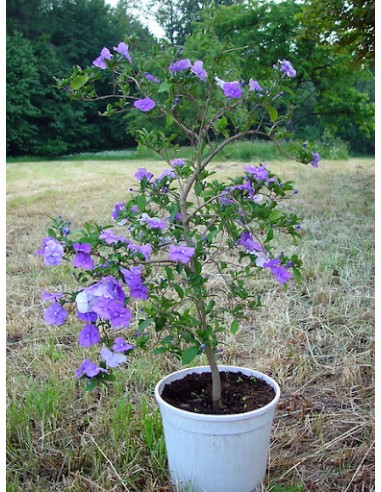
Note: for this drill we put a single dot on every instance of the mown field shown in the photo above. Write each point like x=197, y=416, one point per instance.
x=316, y=339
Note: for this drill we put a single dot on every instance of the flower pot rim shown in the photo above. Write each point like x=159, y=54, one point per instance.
x=213, y=417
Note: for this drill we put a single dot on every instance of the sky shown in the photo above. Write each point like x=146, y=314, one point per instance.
x=153, y=26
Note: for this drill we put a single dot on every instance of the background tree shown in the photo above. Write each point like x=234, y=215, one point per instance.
x=22, y=85
x=45, y=39
x=328, y=91
x=178, y=17
x=344, y=25
x=334, y=92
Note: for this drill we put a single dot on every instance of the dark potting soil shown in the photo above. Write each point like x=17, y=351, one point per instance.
x=240, y=393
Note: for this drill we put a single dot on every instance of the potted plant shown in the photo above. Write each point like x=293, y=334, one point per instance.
x=177, y=267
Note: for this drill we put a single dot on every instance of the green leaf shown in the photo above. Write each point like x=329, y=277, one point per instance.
x=197, y=267
x=160, y=350
x=212, y=235
x=273, y=113
x=169, y=273
x=234, y=327
x=142, y=202
x=164, y=87
x=189, y=354
x=145, y=323
x=78, y=82
x=108, y=377
x=168, y=120
x=270, y=235
x=275, y=215
x=198, y=188
x=187, y=336
x=52, y=233
x=92, y=385
x=179, y=290
x=297, y=275
x=221, y=124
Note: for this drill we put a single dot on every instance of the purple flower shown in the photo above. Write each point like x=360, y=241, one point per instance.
x=111, y=359
x=110, y=238
x=180, y=65
x=56, y=314
x=98, y=298
x=52, y=251
x=226, y=198
x=83, y=260
x=120, y=345
x=232, y=90
x=279, y=271
x=178, y=162
x=151, y=78
x=248, y=242
x=88, y=368
x=315, y=159
x=259, y=173
x=153, y=222
x=133, y=279
x=142, y=173
x=198, y=69
x=84, y=302
x=220, y=82
x=144, y=249
x=122, y=49
x=246, y=186
x=166, y=173
x=88, y=336
x=46, y=296
x=65, y=230
x=108, y=308
x=118, y=207
x=100, y=61
x=89, y=317
x=145, y=104
x=287, y=68
x=254, y=86
x=122, y=319
x=183, y=254
x=82, y=247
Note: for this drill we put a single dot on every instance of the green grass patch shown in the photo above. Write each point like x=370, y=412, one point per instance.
x=244, y=151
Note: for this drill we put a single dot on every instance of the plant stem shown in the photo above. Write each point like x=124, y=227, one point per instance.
x=216, y=378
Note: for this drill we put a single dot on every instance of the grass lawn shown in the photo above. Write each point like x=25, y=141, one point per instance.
x=316, y=339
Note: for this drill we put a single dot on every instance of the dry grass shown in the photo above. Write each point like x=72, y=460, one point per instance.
x=316, y=339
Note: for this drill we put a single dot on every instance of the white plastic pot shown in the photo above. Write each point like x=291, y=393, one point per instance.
x=217, y=453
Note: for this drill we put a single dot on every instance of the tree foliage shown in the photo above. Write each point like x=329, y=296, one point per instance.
x=346, y=26
x=334, y=93
x=45, y=39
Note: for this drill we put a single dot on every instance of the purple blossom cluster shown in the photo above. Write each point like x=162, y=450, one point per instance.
x=182, y=254
x=82, y=258
x=197, y=68
x=134, y=281
x=106, y=299
x=279, y=271
x=286, y=68
x=52, y=251
x=105, y=54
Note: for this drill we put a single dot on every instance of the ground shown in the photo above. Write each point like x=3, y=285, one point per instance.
x=316, y=339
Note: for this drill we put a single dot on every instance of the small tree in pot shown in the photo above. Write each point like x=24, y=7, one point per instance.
x=175, y=233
